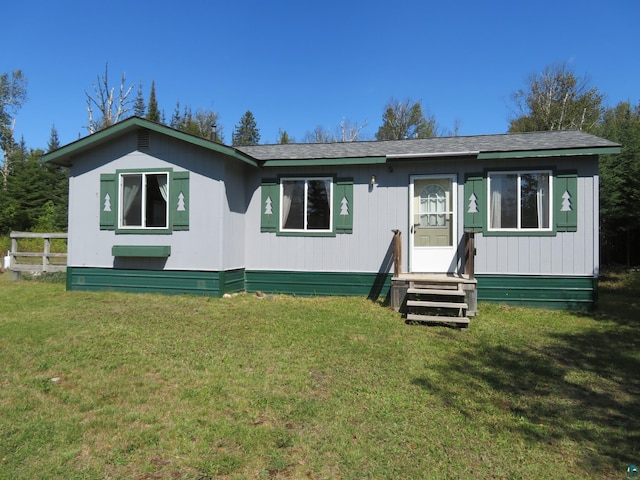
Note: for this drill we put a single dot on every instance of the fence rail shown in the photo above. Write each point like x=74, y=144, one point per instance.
x=16, y=257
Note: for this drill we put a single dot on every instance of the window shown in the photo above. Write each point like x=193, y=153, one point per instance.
x=520, y=200
x=433, y=206
x=306, y=204
x=143, y=200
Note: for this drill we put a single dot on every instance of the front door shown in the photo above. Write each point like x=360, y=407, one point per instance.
x=432, y=226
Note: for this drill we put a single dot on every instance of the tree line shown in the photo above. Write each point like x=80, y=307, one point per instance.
x=34, y=196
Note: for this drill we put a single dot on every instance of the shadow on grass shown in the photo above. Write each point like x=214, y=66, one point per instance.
x=580, y=389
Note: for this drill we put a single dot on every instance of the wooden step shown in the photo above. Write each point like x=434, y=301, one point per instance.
x=437, y=319
x=431, y=291
x=434, y=286
x=430, y=304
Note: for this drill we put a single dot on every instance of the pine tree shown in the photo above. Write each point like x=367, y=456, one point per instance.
x=153, y=113
x=620, y=184
x=246, y=132
x=54, y=140
x=283, y=137
x=139, y=107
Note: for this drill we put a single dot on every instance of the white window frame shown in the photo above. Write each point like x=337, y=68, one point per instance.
x=519, y=174
x=143, y=203
x=305, y=229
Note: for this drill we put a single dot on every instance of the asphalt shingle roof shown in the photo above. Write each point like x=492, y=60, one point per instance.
x=511, y=142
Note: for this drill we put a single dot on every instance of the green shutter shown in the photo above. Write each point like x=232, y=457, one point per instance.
x=565, y=201
x=269, y=205
x=108, y=201
x=475, y=202
x=180, y=200
x=343, y=205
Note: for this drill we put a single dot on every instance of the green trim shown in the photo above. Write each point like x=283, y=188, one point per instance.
x=141, y=250
x=549, y=291
x=320, y=162
x=213, y=284
x=372, y=285
x=549, y=153
x=63, y=155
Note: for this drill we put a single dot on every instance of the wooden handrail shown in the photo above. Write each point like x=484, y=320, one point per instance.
x=397, y=252
x=470, y=254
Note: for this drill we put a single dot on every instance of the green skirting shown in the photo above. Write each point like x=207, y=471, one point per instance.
x=213, y=284
x=371, y=285
x=216, y=284
x=548, y=291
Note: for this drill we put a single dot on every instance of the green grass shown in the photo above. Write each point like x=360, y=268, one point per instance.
x=114, y=385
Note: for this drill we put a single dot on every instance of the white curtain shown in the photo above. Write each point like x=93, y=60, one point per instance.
x=287, y=194
x=542, y=197
x=496, y=202
x=162, y=185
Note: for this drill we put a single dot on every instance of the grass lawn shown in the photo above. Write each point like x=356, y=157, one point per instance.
x=113, y=385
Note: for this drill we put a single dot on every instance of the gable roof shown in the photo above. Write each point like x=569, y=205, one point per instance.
x=63, y=156
x=510, y=145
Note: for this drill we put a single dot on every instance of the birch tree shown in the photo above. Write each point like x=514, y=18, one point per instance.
x=111, y=106
x=556, y=99
x=13, y=94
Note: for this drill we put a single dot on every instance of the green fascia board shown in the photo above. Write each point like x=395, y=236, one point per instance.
x=549, y=153
x=141, y=251
x=62, y=155
x=321, y=162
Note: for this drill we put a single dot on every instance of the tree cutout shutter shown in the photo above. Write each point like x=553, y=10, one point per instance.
x=179, y=204
x=108, y=201
x=475, y=203
x=343, y=205
x=269, y=205
x=565, y=201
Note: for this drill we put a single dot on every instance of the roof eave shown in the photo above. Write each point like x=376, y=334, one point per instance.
x=549, y=153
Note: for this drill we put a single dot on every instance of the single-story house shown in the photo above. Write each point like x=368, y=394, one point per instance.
x=513, y=217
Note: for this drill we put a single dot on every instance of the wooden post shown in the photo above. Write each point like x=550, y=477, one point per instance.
x=397, y=252
x=45, y=257
x=469, y=255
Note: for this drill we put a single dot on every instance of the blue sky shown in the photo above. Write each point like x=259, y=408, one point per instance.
x=298, y=64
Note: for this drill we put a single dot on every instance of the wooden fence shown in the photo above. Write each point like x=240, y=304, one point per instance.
x=45, y=260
